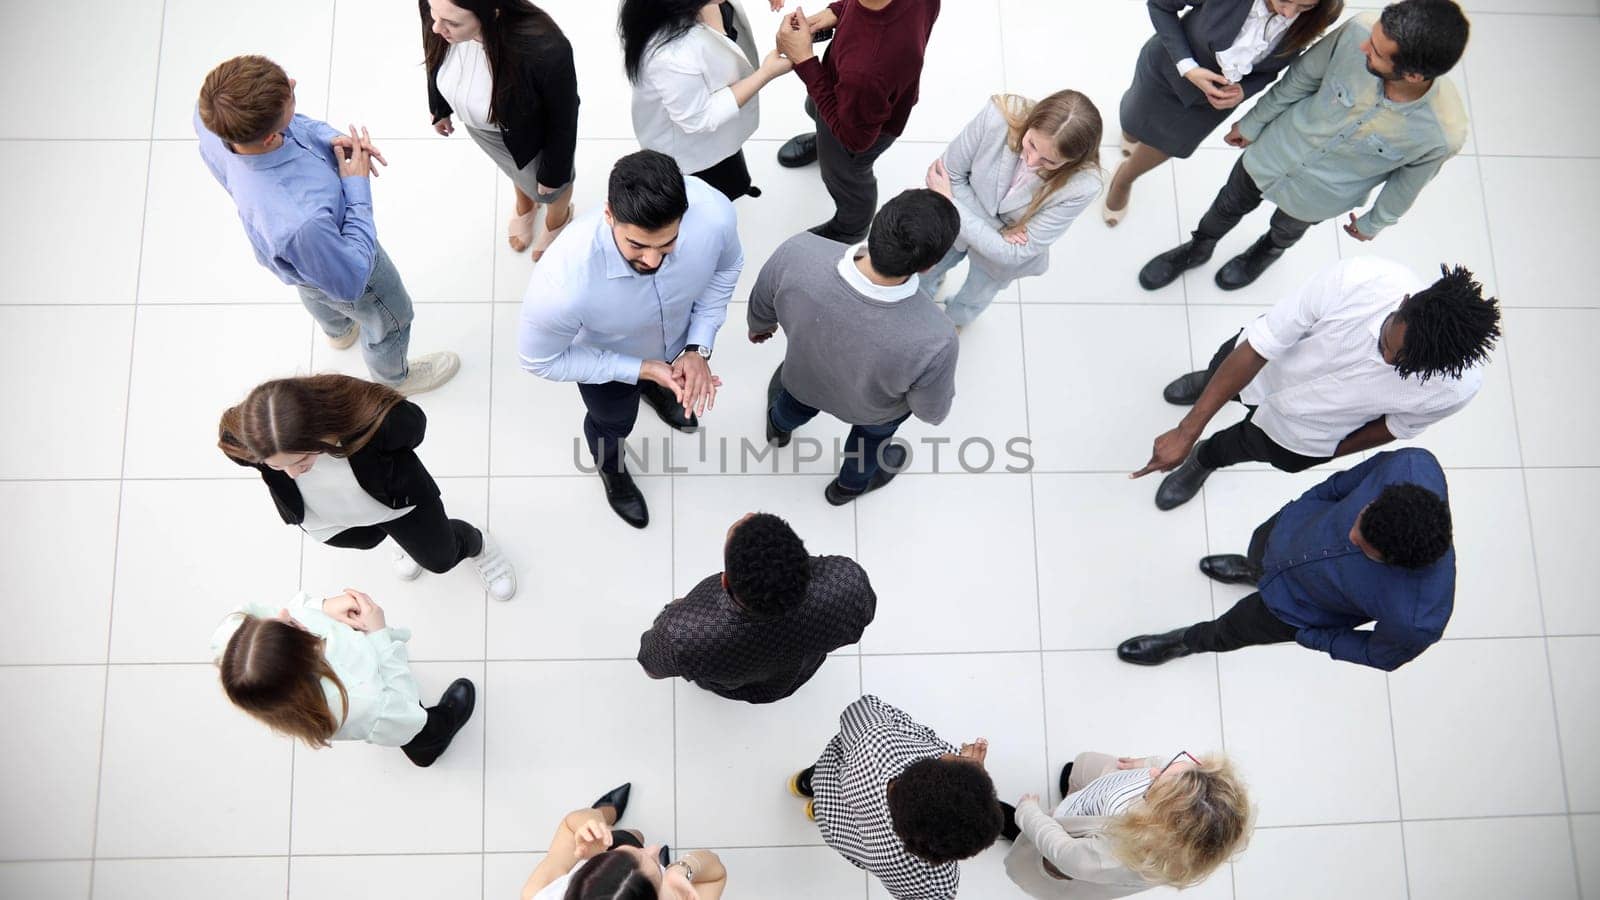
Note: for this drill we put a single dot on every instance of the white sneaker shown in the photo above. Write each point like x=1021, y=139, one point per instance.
x=405, y=568
x=347, y=340
x=499, y=576
x=429, y=372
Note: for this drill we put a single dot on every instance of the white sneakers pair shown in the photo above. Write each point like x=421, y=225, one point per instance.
x=423, y=374
x=499, y=577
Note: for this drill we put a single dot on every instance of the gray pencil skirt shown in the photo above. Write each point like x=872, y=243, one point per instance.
x=526, y=178
x=1152, y=112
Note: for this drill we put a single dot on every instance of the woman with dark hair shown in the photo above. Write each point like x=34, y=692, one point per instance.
x=333, y=669
x=1197, y=68
x=506, y=69
x=695, y=76
x=339, y=456
x=591, y=860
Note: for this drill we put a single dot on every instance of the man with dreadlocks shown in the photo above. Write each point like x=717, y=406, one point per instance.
x=1363, y=355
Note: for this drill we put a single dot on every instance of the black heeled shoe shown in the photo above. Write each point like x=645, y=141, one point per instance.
x=616, y=798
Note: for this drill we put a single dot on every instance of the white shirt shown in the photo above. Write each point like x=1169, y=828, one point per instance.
x=1325, y=376
x=866, y=287
x=335, y=501
x=1255, y=40
x=1109, y=795
x=466, y=83
x=683, y=105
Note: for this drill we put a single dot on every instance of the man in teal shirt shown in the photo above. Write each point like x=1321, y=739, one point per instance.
x=1367, y=105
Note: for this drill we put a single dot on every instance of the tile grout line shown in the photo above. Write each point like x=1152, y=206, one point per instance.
x=1399, y=798
x=488, y=520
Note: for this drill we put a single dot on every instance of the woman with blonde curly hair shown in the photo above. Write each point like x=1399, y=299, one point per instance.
x=1128, y=825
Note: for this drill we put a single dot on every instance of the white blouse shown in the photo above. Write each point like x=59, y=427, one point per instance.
x=466, y=83
x=1254, y=42
x=335, y=501
x=684, y=106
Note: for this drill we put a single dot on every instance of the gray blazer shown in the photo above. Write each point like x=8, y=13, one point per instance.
x=1075, y=845
x=1211, y=26
x=981, y=165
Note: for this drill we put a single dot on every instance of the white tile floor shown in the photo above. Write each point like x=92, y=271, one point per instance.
x=133, y=311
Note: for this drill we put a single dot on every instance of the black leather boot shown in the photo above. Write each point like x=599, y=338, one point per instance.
x=1186, y=389
x=1165, y=269
x=894, y=459
x=625, y=498
x=444, y=720
x=1245, y=268
x=1154, y=649
x=1184, y=482
x=1230, y=568
x=799, y=151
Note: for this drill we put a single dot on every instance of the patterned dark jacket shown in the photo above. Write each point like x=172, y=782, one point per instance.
x=710, y=640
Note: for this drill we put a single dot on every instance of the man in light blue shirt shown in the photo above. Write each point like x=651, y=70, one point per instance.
x=1367, y=105
x=303, y=195
x=628, y=301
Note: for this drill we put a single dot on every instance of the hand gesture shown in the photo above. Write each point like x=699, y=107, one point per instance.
x=775, y=5
x=675, y=885
x=355, y=153
x=344, y=608
x=938, y=179
x=761, y=337
x=445, y=126
x=1351, y=229
x=1015, y=234
x=1028, y=798
x=1213, y=85
x=1236, y=138
x=776, y=63
x=661, y=373
x=592, y=839
x=369, y=615
x=977, y=751
x=794, y=36
x=699, y=385
x=1130, y=762
x=1170, y=450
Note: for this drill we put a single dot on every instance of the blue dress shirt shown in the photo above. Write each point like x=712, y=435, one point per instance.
x=307, y=224
x=1321, y=583
x=589, y=317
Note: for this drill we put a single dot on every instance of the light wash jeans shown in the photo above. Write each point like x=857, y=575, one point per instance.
x=975, y=294
x=383, y=312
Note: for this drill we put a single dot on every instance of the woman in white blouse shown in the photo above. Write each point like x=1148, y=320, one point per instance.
x=1019, y=174
x=589, y=859
x=333, y=669
x=1127, y=825
x=695, y=77
x=1197, y=68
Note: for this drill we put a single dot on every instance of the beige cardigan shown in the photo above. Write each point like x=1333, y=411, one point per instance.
x=1076, y=845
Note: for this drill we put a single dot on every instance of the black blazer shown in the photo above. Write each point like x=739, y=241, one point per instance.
x=544, y=122
x=387, y=467
x=1210, y=26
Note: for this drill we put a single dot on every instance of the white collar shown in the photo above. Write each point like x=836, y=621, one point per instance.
x=888, y=293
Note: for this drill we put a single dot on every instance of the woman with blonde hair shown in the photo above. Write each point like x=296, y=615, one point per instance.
x=333, y=669
x=1128, y=825
x=339, y=457
x=1019, y=174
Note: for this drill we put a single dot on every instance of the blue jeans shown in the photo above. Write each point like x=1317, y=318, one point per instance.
x=975, y=294
x=862, y=448
x=383, y=312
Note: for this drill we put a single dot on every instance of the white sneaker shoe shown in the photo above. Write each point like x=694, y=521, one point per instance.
x=499, y=576
x=429, y=372
x=347, y=340
x=405, y=568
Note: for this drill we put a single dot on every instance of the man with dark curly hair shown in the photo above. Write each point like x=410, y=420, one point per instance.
x=1365, y=354
x=762, y=627
x=899, y=802
x=1370, y=544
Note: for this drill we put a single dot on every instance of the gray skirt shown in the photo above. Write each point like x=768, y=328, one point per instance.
x=526, y=178
x=1152, y=111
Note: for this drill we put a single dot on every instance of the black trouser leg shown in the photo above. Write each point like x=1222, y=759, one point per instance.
x=850, y=182
x=730, y=176
x=1246, y=442
x=1248, y=623
x=1238, y=198
x=432, y=739
x=436, y=541
x=1286, y=230
x=613, y=408
x=1258, y=541
x=362, y=537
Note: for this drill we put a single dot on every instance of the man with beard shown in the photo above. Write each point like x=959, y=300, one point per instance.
x=627, y=303
x=1367, y=105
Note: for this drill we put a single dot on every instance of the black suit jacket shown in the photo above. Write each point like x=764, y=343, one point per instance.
x=1209, y=27
x=387, y=467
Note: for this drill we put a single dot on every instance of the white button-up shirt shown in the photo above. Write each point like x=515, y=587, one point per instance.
x=1256, y=39
x=1325, y=376
x=684, y=106
x=589, y=317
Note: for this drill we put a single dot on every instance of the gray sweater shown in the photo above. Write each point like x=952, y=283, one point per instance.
x=865, y=360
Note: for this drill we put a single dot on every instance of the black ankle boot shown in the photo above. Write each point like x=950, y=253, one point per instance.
x=800, y=150
x=1245, y=268
x=1184, y=482
x=1165, y=269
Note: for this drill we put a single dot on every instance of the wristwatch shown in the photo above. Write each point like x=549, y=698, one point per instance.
x=705, y=352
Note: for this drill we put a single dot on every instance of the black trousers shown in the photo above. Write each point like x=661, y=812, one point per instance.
x=1249, y=622
x=613, y=408
x=731, y=176
x=850, y=182
x=1245, y=441
x=427, y=744
x=1238, y=197
x=436, y=541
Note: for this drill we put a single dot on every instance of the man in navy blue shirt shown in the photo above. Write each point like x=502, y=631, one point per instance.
x=1370, y=544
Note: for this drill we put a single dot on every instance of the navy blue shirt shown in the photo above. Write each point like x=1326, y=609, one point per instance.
x=1321, y=583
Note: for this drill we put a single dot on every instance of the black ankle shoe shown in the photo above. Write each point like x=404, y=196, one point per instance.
x=1186, y=389
x=667, y=406
x=1153, y=649
x=1230, y=568
x=752, y=191
x=1065, y=780
x=1165, y=269
x=1009, y=831
x=616, y=798
x=800, y=782
x=1245, y=268
x=894, y=459
x=1184, y=482
x=625, y=498
x=798, y=151
x=457, y=703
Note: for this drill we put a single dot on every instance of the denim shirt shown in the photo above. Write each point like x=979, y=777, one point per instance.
x=1318, y=581
x=1325, y=135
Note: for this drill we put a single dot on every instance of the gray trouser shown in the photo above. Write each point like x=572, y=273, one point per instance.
x=850, y=182
x=976, y=293
x=383, y=312
x=526, y=178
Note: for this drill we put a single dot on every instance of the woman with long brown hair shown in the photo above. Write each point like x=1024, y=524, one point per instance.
x=1019, y=174
x=1197, y=68
x=338, y=455
x=333, y=669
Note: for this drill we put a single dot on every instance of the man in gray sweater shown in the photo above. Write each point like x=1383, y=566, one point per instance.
x=865, y=344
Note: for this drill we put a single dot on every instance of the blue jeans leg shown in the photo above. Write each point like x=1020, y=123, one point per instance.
x=930, y=278
x=976, y=293
x=787, y=413
x=383, y=312
x=861, y=454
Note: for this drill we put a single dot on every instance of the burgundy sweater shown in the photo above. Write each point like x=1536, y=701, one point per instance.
x=866, y=84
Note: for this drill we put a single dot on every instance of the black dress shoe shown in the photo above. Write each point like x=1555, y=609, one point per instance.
x=667, y=406
x=665, y=856
x=894, y=458
x=1230, y=568
x=625, y=498
x=1186, y=389
x=1065, y=780
x=1245, y=268
x=455, y=705
x=752, y=191
x=1184, y=482
x=1153, y=649
x=1165, y=269
x=616, y=798
x=800, y=782
x=774, y=385
x=798, y=151
x=1009, y=831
